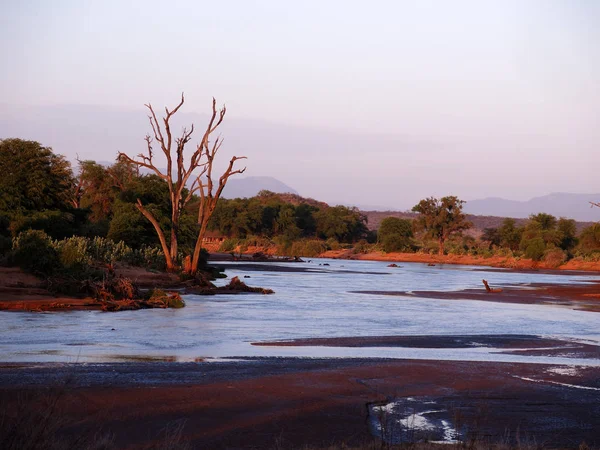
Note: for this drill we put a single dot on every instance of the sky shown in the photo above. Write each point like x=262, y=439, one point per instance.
x=392, y=100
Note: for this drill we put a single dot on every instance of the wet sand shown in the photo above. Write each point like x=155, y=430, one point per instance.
x=289, y=403
x=509, y=343
x=576, y=296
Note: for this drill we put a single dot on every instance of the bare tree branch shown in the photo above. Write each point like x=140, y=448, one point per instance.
x=200, y=167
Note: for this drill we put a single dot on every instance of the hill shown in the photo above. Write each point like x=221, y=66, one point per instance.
x=251, y=186
x=559, y=204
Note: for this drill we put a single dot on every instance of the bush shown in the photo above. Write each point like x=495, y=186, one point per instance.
x=395, y=243
x=308, y=247
x=228, y=245
x=554, y=257
x=535, y=249
x=5, y=245
x=108, y=251
x=33, y=252
x=73, y=252
x=332, y=244
x=161, y=299
x=57, y=224
x=362, y=246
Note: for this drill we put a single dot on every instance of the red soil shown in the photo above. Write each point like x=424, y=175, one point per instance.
x=493, y=261
x=319, y=407
x=20, y=291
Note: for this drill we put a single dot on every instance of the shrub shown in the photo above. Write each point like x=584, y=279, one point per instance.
x=308, y=247
x=332, y=244
x=5, y=245
x=108, y=251
x=73, y=252
x=535, y=249
x=33, y=251
x=228, y=245
x=395, y=243
x=554, y=257
x=161, y=299
x=362, y=246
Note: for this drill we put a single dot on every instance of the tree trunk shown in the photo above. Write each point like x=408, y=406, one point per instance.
x=174, y=234
x=161, y=235
x=441, y=252
x=197, y=248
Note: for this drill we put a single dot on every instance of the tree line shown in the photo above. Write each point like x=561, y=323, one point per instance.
x=39, y=190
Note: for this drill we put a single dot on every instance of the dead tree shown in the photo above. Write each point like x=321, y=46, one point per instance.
x=198, y=171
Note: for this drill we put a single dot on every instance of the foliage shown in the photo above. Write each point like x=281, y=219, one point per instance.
x=33, y=178
x=395, y=225
x=510, y=235
x=554, y=257
x=340, y=222
x=492, y=236
x=228, y=245
x=96, y=189
x=439, y=219
x=269, y=216
x=567, y=231
x=362, y=246
x=308, y=247
x=395, y=243
x=589, y=240
x=535, y=248
x=333, y=244
x=161, y=299
x=395, y=234
x=33, y=252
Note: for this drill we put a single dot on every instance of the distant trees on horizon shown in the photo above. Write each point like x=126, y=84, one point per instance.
x=38, y=191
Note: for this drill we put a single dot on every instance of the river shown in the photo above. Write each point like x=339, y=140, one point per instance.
x=314, y=299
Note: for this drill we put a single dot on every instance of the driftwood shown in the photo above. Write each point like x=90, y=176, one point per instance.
x=489, y=289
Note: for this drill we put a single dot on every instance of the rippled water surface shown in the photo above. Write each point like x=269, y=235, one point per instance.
x=314, y=303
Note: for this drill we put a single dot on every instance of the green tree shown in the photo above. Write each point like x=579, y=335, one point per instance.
x=540, y=228
x=439, y=219
x=492, y=235
x=395, y=234
x=567, y=232
x=96, y=190
x=510, y=234
x=341, y=223
x=33, y=178
x=589, y=239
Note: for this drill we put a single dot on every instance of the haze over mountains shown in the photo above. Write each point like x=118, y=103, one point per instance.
x=336, y=166
x=559, y=204
x=250, y=186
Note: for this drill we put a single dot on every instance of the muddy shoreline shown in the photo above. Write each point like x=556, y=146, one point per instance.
x=289, y=403
x=577, y=296
x=21, y=291
x=508, y=343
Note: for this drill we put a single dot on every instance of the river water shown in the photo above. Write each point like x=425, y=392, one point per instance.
x=317, y=301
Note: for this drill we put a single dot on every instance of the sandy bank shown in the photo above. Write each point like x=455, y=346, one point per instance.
x=577, y=296
x=289, y=403
x=493, y=261
x=20, y=291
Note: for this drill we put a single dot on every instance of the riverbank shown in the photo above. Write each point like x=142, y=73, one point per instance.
x=21, y=291
x=468, y=260
x=290, y=403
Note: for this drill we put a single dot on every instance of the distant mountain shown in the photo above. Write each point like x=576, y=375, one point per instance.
x=559, y=204
x=250, y=186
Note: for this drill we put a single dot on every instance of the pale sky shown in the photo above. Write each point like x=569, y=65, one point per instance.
x=472, y=98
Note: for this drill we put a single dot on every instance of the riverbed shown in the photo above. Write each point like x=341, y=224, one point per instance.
x=313, y=299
